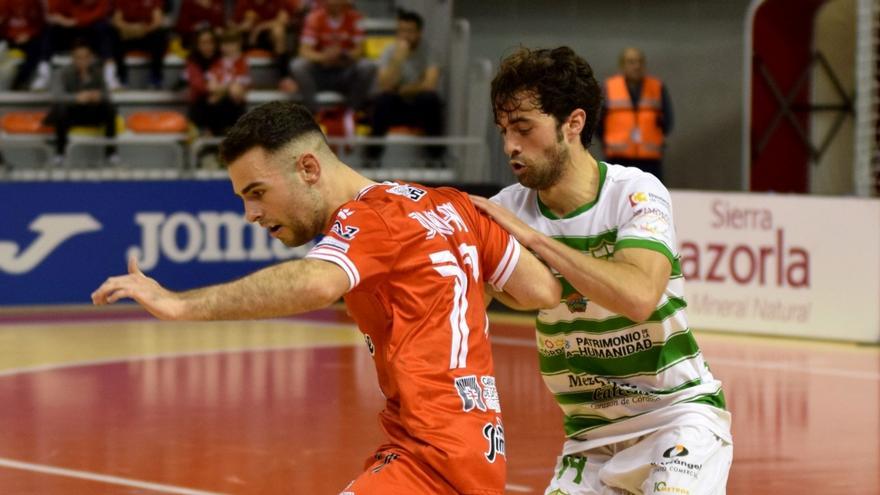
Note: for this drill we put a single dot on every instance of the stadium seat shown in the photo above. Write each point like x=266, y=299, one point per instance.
x=157, y=121
x=24, y=122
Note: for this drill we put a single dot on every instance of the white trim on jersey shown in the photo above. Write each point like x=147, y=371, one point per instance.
x=508, y=263
x=339, y=259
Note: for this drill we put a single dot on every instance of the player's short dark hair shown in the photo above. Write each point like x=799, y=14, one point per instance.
x=560, y=80
x=270, y=126
x=410, y=16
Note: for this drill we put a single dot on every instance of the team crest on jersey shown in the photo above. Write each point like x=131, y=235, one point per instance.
x=407, y=191
x=345, y=213
x=576, y=302
x=470, y=392
x=346, y=232
x=494, y=435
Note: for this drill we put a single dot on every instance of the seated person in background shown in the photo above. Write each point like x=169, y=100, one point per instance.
x=264, y=25
x=71, y=20
x=81, y=98
x=22, y=25
x=408, y=78
x=140, y=25
x=196, y=15
x=228, y=84
x=211, y=115
x=331, y=54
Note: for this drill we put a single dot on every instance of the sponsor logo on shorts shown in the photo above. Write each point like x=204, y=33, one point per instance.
x=494, y=435
x=677, y=451
x=676, y=463
x=662, y=487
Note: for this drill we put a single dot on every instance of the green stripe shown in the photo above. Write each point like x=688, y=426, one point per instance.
x=593, y=244
x=581, y=423
x=679, y=346
x=640, y=242
x=611, y=324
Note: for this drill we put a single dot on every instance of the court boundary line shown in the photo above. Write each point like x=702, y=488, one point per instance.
x=100, y=478
x=739, y=363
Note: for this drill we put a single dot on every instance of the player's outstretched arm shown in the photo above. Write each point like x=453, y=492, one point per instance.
x=279, y=290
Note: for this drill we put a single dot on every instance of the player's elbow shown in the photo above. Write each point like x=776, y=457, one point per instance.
x=551, y=294
x=641, y=309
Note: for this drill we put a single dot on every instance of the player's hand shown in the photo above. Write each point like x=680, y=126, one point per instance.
x=523, y=233
x=160, y=302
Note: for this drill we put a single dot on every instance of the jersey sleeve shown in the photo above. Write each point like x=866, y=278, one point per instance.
x=646, y=218
x=499, y=253
x=359, y=242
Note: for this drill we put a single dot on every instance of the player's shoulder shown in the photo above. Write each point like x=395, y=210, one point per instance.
x=396, y=196
x=513, y=194
x=627, y=180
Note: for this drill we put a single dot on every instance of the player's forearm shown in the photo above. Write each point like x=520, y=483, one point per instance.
x=285, y=289
x=617, y=286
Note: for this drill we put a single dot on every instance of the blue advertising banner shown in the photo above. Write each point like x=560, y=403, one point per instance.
x=60, y=240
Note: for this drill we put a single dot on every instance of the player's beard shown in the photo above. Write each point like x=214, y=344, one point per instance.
x=547, y=172
x=305, y=227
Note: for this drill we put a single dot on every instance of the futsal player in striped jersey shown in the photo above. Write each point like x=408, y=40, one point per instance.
x=643, y=413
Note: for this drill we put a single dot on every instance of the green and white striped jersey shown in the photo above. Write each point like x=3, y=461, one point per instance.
x=614, y=378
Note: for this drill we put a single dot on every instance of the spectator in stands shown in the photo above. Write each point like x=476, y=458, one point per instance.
x=637, y=116
x=210, y=113
x=22, y=26
x=265, y=25
x=226, y=83
x=408, y=77
x=197, y=15
x=81, y=98
x=140, y=25
x=331, y=55
x=71, y=20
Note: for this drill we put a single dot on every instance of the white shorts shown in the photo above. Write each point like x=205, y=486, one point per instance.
x=680, y=460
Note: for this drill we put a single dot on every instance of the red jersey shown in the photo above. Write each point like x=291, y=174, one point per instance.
x=417, y=259
x=320, y=30
x=139, y=11
x=85, y=12
x=19, y=18
x=194, y=16
x=227, y=71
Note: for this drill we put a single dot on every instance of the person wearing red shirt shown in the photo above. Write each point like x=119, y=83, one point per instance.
x=71, y=20
x=331, y=55
x=412, y=264
x=22, y=25
x=140, y=25
x=266, y=24
x=196, y=15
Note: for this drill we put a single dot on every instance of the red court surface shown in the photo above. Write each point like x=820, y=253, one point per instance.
x=110, y=402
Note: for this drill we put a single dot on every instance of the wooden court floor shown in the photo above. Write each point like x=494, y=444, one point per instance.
x=112, y=402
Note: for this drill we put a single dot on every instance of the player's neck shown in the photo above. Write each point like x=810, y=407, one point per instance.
x=578, y=185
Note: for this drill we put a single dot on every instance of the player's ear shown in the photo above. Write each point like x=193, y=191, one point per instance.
x=308, y=167
x=575, y=123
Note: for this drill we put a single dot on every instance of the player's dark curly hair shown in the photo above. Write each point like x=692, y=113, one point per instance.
x=558, y=78
x=270, y=126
